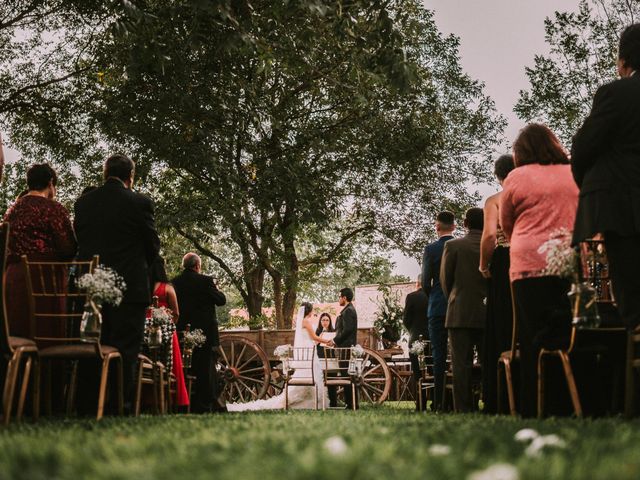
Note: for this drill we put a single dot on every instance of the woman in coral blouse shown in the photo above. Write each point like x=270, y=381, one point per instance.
x=539, y=198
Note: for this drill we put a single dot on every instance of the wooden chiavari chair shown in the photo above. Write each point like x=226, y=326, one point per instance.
x=21, y=354
x=45, y=285
x=336, y=371
x=302, y=365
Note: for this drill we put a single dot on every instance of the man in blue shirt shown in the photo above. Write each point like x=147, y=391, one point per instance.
x=437, y=310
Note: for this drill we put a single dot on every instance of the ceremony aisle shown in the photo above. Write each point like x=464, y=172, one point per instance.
x=382, y=443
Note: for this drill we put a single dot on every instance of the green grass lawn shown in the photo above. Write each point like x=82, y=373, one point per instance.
x=378, y=443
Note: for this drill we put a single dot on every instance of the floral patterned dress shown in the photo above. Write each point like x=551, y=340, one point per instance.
x=41, y=229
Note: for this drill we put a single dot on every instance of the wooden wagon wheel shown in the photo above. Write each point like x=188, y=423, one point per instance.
x=375, y=382
x=244, y=369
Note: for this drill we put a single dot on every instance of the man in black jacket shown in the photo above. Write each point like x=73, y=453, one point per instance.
x=198, y=297
x=416, y=321
x=605, y=159
x=346, y=330
x=118, y=224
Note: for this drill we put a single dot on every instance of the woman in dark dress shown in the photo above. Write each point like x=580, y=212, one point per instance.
x=494, y=265
x=40, y=228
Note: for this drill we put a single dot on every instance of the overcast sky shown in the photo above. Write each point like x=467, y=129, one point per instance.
x=498, y=38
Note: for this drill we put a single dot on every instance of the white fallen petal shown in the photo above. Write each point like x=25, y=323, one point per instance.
x=526, y=435
x=499, y=471
x=438, y=450
x=336, y=446
x=538, y=444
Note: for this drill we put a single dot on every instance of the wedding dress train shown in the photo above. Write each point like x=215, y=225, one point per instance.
x=300, y=397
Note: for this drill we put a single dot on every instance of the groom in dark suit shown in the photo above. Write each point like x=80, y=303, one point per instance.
x=605, y=160
x=346, y=330
x=118, y=224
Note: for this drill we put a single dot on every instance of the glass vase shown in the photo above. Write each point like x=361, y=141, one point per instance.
x=91, y=324
x=584, y=306
x=187, y=355
x=155, y=336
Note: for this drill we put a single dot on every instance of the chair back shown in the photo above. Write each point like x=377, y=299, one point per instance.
x=55, y=304
x=302, y=362
x=336, y=364
x=5, y=347
x=594, y=269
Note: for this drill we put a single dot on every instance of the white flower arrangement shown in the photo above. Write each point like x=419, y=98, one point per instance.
x=161, y=316
x=283, y=351
x=357, y=351
x=562, y=258
x=418, y=347
x=194, y=338
x=103, y=285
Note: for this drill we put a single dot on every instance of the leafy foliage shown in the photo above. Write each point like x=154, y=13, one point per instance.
x=583, y=52
x=276, y=136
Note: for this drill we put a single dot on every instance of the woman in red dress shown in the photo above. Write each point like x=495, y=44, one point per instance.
x=40, y=228
x=167, y=298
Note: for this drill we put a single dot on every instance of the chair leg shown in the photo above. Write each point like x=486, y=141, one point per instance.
x=120, y=385
x=9, y=389
x=510, y=393
x=540, y=385
x=630, y=388
x=138, y=400
x=353, y=397
x=162, y=405
x=72, y=387
x=286, y=395
x=36, y=388
x=571, y=383
x=26, y=374
x=47, y=389
x=102, y=394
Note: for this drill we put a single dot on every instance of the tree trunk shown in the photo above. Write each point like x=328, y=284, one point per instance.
x=254, y=281
x=277, y=299
x=291, y=280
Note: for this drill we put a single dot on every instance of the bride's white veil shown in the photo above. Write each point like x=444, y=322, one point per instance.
x=298, y=339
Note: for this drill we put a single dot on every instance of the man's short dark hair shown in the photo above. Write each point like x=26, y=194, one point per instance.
x=629, y=49
x=347, y=293
x=119, y=166
x=504, y=164
x=474, y=218
x=446, y=218
x=40, y=175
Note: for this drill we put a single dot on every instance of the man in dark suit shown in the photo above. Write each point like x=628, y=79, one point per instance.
x=605, y=159
x=445, y=225
x=118, y=224
x=466, y=290
x=198, y=297
x=416, y=322
x=346, y=331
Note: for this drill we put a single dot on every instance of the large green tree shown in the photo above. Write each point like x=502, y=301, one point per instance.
x=583, y=51
x=275, y=137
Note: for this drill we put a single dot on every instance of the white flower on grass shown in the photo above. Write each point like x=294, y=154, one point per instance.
x=499, y=471
x=539, y=443
x=438, y=450
x=336, y=446
x=526, y=435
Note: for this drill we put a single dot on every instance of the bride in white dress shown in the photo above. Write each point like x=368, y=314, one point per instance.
x=300, y=397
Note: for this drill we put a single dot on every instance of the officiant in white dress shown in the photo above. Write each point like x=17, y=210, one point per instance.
x=300, y=397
